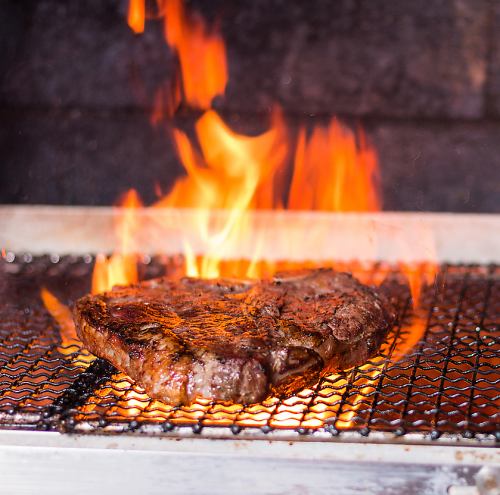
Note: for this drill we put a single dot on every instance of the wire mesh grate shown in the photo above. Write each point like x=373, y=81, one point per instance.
x=437, y=374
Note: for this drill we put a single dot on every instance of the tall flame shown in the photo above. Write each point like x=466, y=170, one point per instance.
x=333, y=172
x=334, y=169
x=227, y=172
x=201, y=52
x=136, y=15
x=121, y=267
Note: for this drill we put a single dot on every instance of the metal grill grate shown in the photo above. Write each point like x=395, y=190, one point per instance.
x=437, y=375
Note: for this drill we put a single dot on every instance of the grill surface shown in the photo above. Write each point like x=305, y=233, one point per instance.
x=436, y=377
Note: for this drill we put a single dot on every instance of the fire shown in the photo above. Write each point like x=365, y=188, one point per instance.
x=228, y=169
x=334, y=172
x=121, y=267
x=136, y=15
x=229, y=172
x=418, y=275
x=329, y=168
x=201, y=52
x=62, y=314
x=70, y=345
x=334, y=169
x=424, y=273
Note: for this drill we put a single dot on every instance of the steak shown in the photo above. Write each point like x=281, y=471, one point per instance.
x=234, y=340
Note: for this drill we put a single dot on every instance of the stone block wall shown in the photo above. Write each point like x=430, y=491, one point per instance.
x=422, y=77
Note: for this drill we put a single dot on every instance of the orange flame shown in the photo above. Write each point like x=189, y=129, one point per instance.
x=333, y=169
x=70, y=345
x=228, y=172
x=333, y=172
x=136, y=15
x=424, y=273
x=121, y=267
x=201, y=52
x=236, y=172
x=62, y=314
x=228, y=169
x=418, y=275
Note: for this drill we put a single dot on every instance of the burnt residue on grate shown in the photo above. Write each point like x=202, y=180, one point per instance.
x=437, y=375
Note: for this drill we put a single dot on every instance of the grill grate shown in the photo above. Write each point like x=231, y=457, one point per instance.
x=437, y=375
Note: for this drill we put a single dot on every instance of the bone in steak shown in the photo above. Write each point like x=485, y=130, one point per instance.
x=234, y=340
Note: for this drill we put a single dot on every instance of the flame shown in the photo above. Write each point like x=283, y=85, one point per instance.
x=201, y=52
x=333, y=169
x=333, y=172
x=418, y=275
x=121, y=267
x=229, y=172
x=63, y=317
x=136, y=15
x=70, y=345
x=424, y=273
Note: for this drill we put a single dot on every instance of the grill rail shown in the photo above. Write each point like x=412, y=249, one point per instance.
x=445, y=387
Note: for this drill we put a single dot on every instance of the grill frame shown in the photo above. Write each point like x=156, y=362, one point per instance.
x=49, y=463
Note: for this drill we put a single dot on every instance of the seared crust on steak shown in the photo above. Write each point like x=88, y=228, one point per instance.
x=234, y=340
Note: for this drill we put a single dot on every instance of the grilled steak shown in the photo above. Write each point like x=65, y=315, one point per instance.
x=234, y=340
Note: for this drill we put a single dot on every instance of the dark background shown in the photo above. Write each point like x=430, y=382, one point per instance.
x=422, y=77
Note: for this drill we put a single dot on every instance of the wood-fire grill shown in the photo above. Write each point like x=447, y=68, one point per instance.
x=430, y=412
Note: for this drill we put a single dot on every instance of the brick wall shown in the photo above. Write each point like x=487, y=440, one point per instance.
x=423, y=77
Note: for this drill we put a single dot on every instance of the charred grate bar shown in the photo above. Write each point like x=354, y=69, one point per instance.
x=437, y=375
